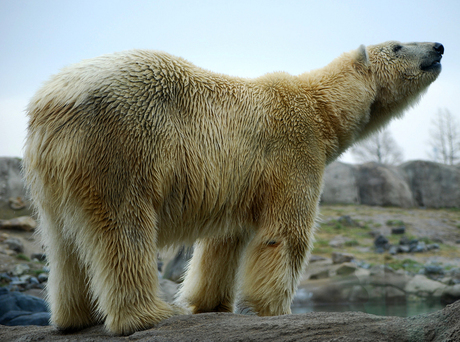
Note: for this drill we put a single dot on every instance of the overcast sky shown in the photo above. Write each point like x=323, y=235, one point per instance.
x=241, y=38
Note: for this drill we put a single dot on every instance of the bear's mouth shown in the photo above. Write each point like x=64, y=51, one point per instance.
x=434, y=64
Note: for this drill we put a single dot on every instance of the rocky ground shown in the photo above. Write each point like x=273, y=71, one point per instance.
x=362, y=254
x=354, y=229
x=374, y=254
x=441, y=326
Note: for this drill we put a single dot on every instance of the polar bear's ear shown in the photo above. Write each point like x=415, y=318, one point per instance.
x=361, y=56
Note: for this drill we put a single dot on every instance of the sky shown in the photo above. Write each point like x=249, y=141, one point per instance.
x=240, y=38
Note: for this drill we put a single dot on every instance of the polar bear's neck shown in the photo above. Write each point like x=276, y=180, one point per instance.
x=341, y=106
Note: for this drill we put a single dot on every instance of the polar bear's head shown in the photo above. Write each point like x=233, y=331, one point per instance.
x=400, y=72
x=411, y=66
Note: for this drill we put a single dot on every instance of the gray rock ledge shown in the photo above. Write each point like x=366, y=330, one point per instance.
x=443, y=325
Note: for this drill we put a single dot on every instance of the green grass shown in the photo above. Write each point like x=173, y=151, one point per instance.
x=427, y=240
x=408, y=265
x=21, y=256
x=36, y=272
x=393, y=223
x=351, y=243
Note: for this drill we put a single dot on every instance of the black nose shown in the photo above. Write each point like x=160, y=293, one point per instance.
x=439, y=48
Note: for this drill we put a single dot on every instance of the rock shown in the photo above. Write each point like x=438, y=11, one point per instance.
x=450, y=294
x=5, y=279
x=12, y=189
x=322, y=274
x=175, y=269
x=381, y=242
x=38, y=256
x=434, y=185
x=340, y=258
x=15, y=304
x=340, y=184
x=20, y=269
x=346, y=269
x=404, y=241
x=440, y=326
x=433, y=270
x=25, y=223
x=455, y=275
x=25, y=318
x=363, y=264
x=4, y=236
x=383, y=185
x=386, y=278
x=421, y=286
x=168, y=290
x=34, y=281
x=347, y=221
x=403, y=249
x=420, y=247
x=398, y=230
x=432, y=246
x=15, y=244
x=393, y=250
x=17, y=203
x=42, y=277
x=415, y=183
x=332, y=292
x=315, y=258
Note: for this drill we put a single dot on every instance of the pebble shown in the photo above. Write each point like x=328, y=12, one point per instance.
x=340, y=258
x=433, y=270
x=381, y=242
x=398, y=230
x=432, y=246
x=420, y=247
x=34, y=280
x=403, y=249
x=42, y=277
x=20, y=269
x=15, y=244
x=38, y=256
x=393, y=250
x=346, y=269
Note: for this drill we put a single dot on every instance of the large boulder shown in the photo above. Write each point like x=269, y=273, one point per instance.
x=13, y=201
x=383, y=185
x=20, y=309
x=370, y=184
x=340, y=184
x=433, y=185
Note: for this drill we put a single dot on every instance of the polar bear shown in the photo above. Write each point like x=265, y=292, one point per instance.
x=130, y=152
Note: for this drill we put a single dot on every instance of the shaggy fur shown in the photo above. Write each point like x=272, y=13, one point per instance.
x=130, y=152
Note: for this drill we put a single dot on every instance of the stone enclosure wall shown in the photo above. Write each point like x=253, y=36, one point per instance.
x=412, y=184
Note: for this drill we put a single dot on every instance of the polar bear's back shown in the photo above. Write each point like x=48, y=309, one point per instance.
x=190, y=141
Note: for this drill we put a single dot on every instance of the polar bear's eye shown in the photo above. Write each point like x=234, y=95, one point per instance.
x=396, y=48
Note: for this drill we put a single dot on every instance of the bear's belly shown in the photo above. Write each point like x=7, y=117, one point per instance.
x=186, y=230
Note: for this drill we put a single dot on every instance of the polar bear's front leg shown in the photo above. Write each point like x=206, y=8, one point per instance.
x=275, y=259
